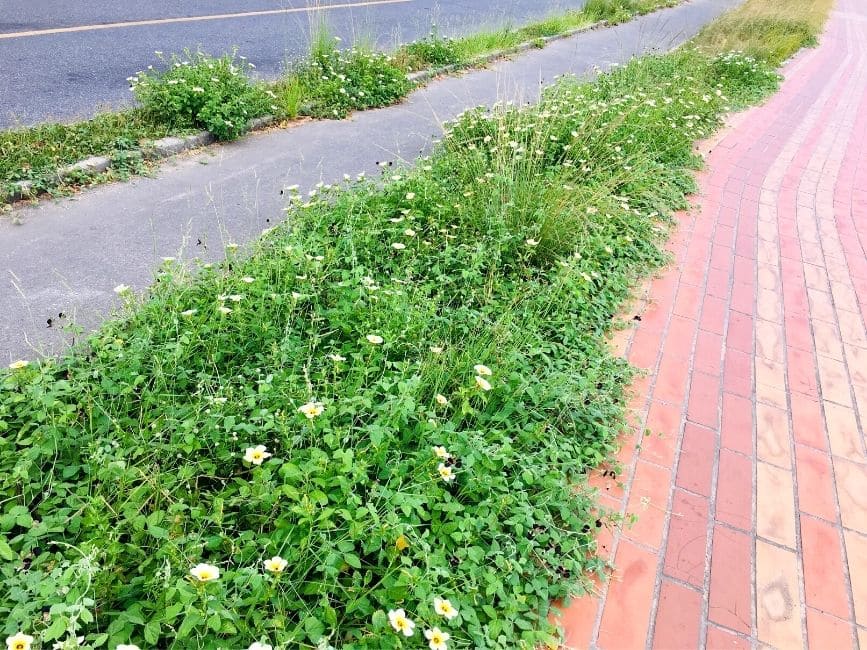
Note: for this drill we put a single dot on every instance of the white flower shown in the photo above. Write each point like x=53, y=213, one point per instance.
x=127, y=646
x=484, y=371
x=410, y=196
x=21, y=641
x=440, y=452
x=436, y=349
x=198, y=89
x=437, y=639
x=248, y=280
x=257, y=454
x=205, y=572
x=336, y=357
x=18, y=365
x=400, y=622
x=260, y=646
x=61, y=645
x=189, y=312
x=311, y=409
x=122, y=289
x=235, y=297
x=232, y=246
x=374, y=338
x=532, y=242
x=398, y=246
x=443, y=607
x=224, y=310
x=482, y=383
x=275, y=565
x=442, y=400
x=446, y=472
x=409, y=232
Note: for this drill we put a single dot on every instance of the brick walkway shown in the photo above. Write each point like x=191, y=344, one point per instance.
x=751, y=486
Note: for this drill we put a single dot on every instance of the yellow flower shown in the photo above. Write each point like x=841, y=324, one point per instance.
x=374, y=338
x=256, y=454
x=441, y=452
x=401, y=544
x=19, y=641
x=482, y=383
x=443, y=607
x=18, y=365
x=437, y=639
x=400, y=623
x=311, y=409
x=442, y=400
x=484, y=371
x=276, y=564
x=446, y=473
x=205, y=572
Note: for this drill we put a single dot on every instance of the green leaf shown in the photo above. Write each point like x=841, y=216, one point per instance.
x=152, y=632
x=6, y=551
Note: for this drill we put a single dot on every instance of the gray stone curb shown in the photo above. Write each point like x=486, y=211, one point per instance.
x=174, y=145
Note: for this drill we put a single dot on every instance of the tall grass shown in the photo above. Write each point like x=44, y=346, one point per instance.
x=769, y=31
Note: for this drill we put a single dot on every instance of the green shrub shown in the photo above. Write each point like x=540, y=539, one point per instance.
x=431, y=51
x=348, y=343
x=200, y=91
x=336, y=82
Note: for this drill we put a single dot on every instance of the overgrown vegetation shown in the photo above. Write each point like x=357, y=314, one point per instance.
x=769, y=31
x=199, y=91
x=196, y=91
x=390, y=401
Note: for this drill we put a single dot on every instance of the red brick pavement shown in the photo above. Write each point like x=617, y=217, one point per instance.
x=749, y=469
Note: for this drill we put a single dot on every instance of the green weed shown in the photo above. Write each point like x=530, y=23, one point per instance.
x=391, y=400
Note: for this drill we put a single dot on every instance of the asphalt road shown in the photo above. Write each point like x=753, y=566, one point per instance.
x=59, y=260
x=60, y=76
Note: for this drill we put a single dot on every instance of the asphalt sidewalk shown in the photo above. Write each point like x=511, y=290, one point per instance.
x=61, y=262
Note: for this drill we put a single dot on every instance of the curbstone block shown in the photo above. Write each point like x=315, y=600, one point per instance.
x=92, y=165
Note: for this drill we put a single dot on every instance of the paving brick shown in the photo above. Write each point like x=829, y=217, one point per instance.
x=779, y=611
x=734, y=496
x=678, y=618
x=851, y=480
x=856, y=552
x=697, y=457
x=825, y=631
x=687, y=538
x=772, y=435
x=719, y=638
x=630, y=590
x=775, y=504
x=731, y=580
x=822, y=557
x=808, y=423
x=816, y=494
x=704, y=398
x=843, y=433
x=648, y=498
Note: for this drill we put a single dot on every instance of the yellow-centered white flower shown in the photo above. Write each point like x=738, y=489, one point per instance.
x=19, y=641
x=437, y=639
x=205, y=572
x=446, y=472
x=444, y=607
x=311, y=409
x=400, y=622
x=257, y=454
x=275, y=565
x=375, y=339
x=482, y=383
x=441, y=452
x=18, y=365
x=484, y=371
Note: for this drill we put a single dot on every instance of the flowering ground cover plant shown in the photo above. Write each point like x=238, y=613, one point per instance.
x=371, y=430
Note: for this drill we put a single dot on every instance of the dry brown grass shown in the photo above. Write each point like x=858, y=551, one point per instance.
x=770, y=30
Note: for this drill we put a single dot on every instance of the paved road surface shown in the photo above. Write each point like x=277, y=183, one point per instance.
x=60, y=76
x=67, y=255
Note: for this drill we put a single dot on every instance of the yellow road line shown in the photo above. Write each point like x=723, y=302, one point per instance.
x=191, y=19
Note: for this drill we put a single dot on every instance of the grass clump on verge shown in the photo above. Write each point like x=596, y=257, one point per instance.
x=768, y=31
x=373, y=429
x=35, y=153
x=619, y=11
x=204, y=92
